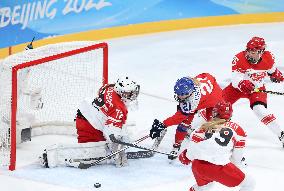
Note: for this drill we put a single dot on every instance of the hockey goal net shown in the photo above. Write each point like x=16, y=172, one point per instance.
x=44, y=86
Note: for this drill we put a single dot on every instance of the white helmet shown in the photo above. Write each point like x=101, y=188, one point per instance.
x=126, y=88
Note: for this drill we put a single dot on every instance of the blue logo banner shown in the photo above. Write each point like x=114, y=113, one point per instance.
x=21, y=20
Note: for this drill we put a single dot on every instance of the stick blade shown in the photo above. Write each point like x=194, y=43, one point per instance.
x=139, y=154
x=84, y=166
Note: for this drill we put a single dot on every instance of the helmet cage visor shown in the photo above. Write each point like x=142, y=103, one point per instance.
x=254, y=55
x=131, y=95
x=183, y=98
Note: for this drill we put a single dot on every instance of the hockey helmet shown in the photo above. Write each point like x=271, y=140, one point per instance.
x=126, y=88
x=183, y=88
x=223, y=110
x=255, y=49
x=256, y=43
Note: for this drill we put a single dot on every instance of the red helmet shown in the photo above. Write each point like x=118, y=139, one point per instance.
x=256, y=43
x=223, y=110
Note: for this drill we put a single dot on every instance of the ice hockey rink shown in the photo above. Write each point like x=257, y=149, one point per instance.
x=156, y=61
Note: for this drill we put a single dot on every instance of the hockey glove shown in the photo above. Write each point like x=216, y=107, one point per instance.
x=246, y=86
x=183, y=158
x=157, y=127
x=276, y=76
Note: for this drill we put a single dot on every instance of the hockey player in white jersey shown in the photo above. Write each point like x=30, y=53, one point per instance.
x=216, y=152
x=250, y=69
x=97, y=119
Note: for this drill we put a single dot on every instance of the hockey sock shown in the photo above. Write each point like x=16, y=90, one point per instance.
x=180, y=135
x=267, y=119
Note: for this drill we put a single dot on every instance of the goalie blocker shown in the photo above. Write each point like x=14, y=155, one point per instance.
x=56, y=155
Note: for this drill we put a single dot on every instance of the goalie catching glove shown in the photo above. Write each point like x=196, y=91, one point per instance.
x=157, y=127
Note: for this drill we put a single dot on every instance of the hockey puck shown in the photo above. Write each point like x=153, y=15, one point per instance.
x=97, y=185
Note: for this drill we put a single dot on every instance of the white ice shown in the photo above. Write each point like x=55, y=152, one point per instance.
x=156, y=61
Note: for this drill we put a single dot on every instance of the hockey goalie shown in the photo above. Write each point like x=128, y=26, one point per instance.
x=96, y=119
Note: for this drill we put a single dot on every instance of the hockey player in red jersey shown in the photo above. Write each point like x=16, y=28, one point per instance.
x=106, y=114
x=193, y=95
x=249, y=70
x=216, y=150
x=97, y=119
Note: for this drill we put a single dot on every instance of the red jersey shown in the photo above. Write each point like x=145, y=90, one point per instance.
x=207, y=94
x=106, y=110
x=256, y=73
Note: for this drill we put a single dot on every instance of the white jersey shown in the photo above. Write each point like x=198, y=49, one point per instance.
x=217, y=147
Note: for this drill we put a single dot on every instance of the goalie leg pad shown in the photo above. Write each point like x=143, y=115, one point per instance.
x=57, y=154
x=120, y=159
x=123, y=158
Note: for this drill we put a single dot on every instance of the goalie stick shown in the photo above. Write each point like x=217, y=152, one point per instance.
x=270, y=92
x=87, y=164
x=139, y=154
x=147, y=153
x=113, y=139
x=130, y=155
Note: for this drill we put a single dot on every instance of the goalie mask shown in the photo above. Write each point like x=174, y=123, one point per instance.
x=255, y=49
x=183, y=89
x=223, y=110
x=127, y=89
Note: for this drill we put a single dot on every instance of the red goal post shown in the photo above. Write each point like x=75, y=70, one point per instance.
x=63, y=73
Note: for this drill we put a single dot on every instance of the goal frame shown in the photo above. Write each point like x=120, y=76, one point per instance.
x=15, y=69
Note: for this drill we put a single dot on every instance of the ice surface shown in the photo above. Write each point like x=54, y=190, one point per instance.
x=156, y=61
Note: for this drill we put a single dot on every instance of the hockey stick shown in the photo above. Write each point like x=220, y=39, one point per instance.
x=113, y=139
x=270, y=92
x=158, y=140
x=130, y=155
x=139, y=154
x=85, y=164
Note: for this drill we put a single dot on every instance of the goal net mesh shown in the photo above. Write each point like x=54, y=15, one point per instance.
x=51, y=82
